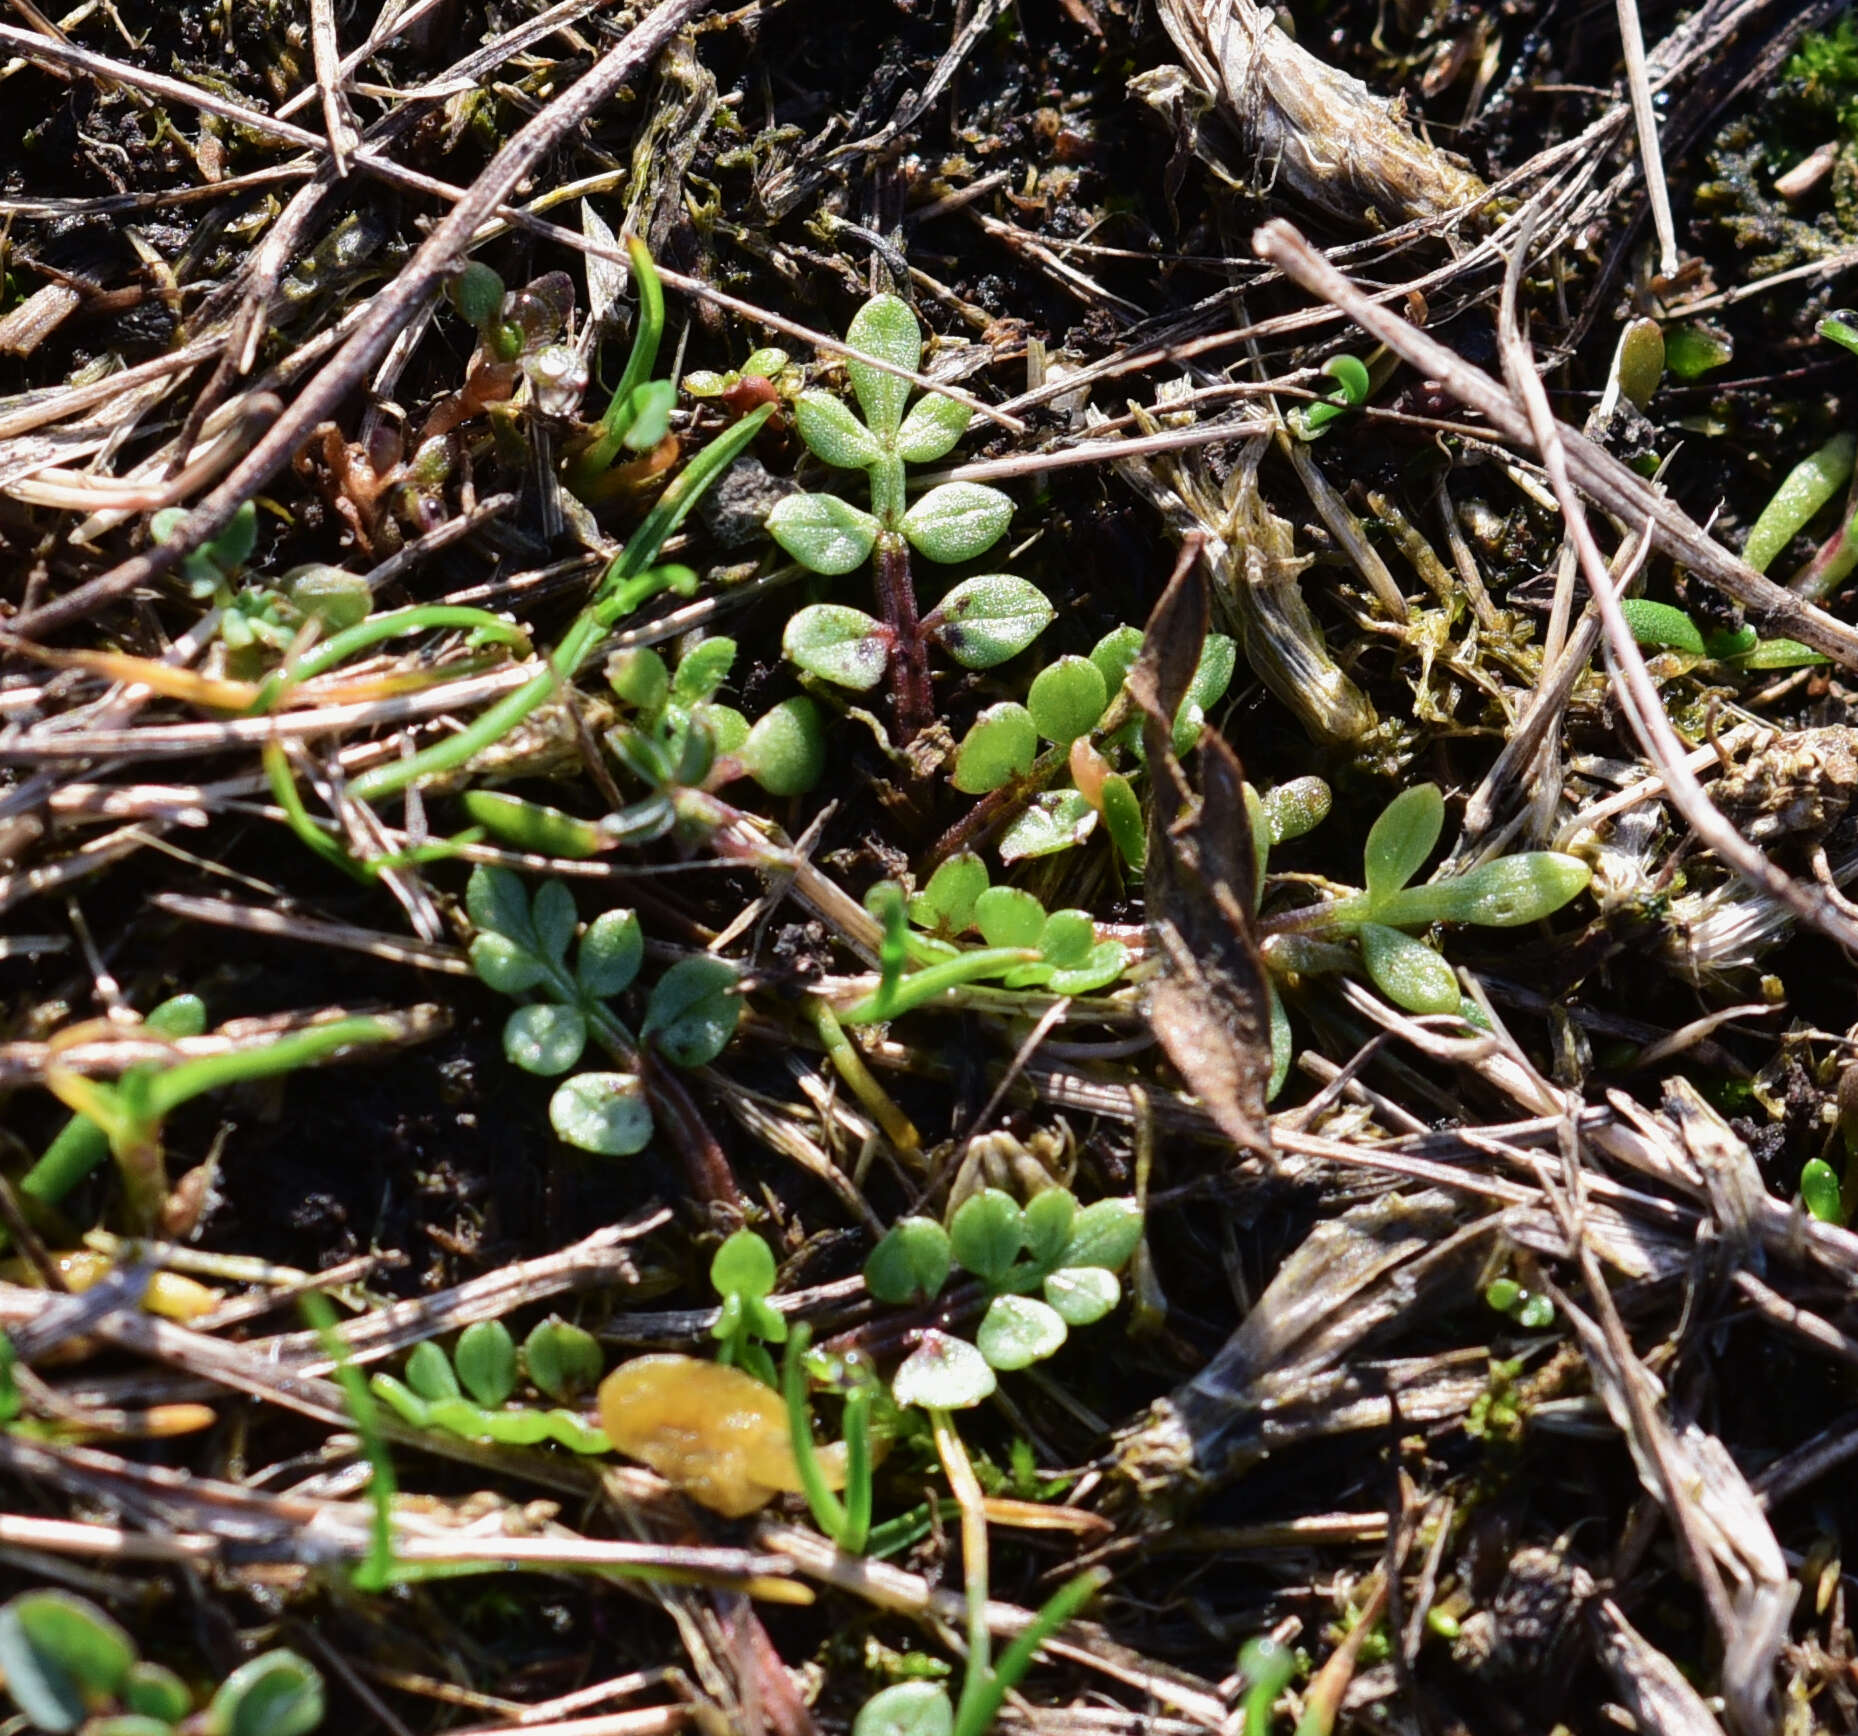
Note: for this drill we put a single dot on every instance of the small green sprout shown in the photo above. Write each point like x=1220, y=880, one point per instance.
x=1310, y=421
x=1529, y=1310
x=1661, y=627
x=69, y=1666
x=743, y=1275
x=468, y=1393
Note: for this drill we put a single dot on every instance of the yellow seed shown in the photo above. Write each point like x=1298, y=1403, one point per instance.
x=708, y=1429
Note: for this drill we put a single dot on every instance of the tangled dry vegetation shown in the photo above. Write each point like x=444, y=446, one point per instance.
x=449, y=463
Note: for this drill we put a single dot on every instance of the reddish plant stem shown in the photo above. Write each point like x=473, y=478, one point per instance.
x=909, y=658
x=706, y=1165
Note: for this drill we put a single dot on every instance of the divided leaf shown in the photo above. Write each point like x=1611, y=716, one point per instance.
x=911, y=1263
x=693, y=1011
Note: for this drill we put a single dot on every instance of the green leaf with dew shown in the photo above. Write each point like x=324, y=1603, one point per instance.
x=1009, y=916
x=1294, y=808
x=1407, y=971
x=1107, y=1233
x=1082, y=1295
x=1017, y=1331
x=1659, y=626
x=785, y=751
x=1820, y=1192
x=987, y=619
x=957, y=521
x=932, y=427
x=838, y=644
x=611, y=952
x=1506, y=893
x=885, y=328
x=1401, y=839
x=822, y=532
x=602, y=1112
x=545, y=1038
x=703, y=669
x=833, y=434
x=1056, y=820
x=693, y=1011
x=946, y=905
x=910, y=1264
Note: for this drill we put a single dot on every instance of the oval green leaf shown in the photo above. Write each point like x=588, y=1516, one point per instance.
x=1106, y=1234
x=545, y=1038
x=1407, y=971
x=987, y=619
x=838, y=644
x=693, y=1011
x=931, y=429
x=1066, y=699
x=1017, y=1331
x=833, y=434
x=908, y=1709
x=278, y=1694
x=957, y=521
x=1000, y=746
x=486, y=1361
x=885, y=328
x=943, y=1373
x=564, y=1361
x=611, y=952
x=1054, y=821
x=986, y=1234
x=911, y=1263
x=1007, y=916
x=785, y=752
x=1082, y=1295
x=1402, y=838
x=822, y=532
x=602, y=1112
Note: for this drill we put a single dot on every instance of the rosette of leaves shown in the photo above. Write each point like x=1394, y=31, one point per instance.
x=981, y=622
x=1048, y=1266
x=522, y=948
x=1507, y=892
x=68, y=1666
x=1075, y=708
x=469, y=1392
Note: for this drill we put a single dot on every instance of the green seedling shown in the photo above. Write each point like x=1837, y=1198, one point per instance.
x=1311, y=421
x=521, y=949
x=1025, y=948
x=1508, y=892
x=377, y=1572
x=1659, y=626
x=980, y=623
x=743, y=1274
x=469, y=1393
x=769, y=364
x=68, y=1666
x=132, y=1111
x=1529, y=1310
x=638, y=416
x=1266, y=1666
x=1069, y=1254
x=847, y=1522
x=210, y=569
x=1077, y=706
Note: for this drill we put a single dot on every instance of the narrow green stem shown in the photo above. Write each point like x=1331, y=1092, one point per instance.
x=858, y=1477
x=924, y=985
x=976, y=1717
x=339, y=647
x=829, y=1511
x=978, y=1682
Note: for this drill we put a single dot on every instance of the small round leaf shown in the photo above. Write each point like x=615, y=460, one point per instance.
x=838, y=644
x=602, y=1112
x=1106, y=1234
x=1294, y=808
x=786, y=750
x=1082, y=1295
x=943, y=1373
x=61, y=1655
x=957, y=521
x=429, y=1373
x=555, y=918
x=743, y=1266
x=545, y=1038
x=155, y=1691
x=1105, y=962
x=1067, y=938
x=278, y=1694
x=991, y=617
x=505, y=966
x=946, y=904
x=563, y=1361
x=486, y=1361
x=999, y=747
x=693, y=1012
x=908, y=1709
x=911, y=1263
x=497, y=904
x=1819, y=1191
x=1046, y=1224
x=822, y=532
x=1017, y=1331
x=1115, y=654
x=986, y=1234
x=1007, y=916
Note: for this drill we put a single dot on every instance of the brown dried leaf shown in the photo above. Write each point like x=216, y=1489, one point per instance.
x=1209, y=1007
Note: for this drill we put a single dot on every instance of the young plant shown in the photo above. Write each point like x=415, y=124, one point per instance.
x=981, y=622
x=1505, y=893
x=638, y=416
x=1025, y=948
x=469, y=1392
x=1077, y=706
x=1311, y=421
x=131, y=1112
x=521, y=949
x=743, y=1274
x=1069, y=1254
x=69, y=1667
x=1660, y=627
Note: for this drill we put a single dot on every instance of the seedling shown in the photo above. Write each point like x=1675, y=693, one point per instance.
x=131, y=1111
x=68, y=1666
x=522, y=949
x=1659, y=626
x=469, y=1392
x=1069, y=1254
x=1311, y=421
x=743, y=1274
x=980, y=623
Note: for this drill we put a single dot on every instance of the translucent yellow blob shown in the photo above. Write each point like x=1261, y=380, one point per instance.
x=709, y=1430
x=168, y=1293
